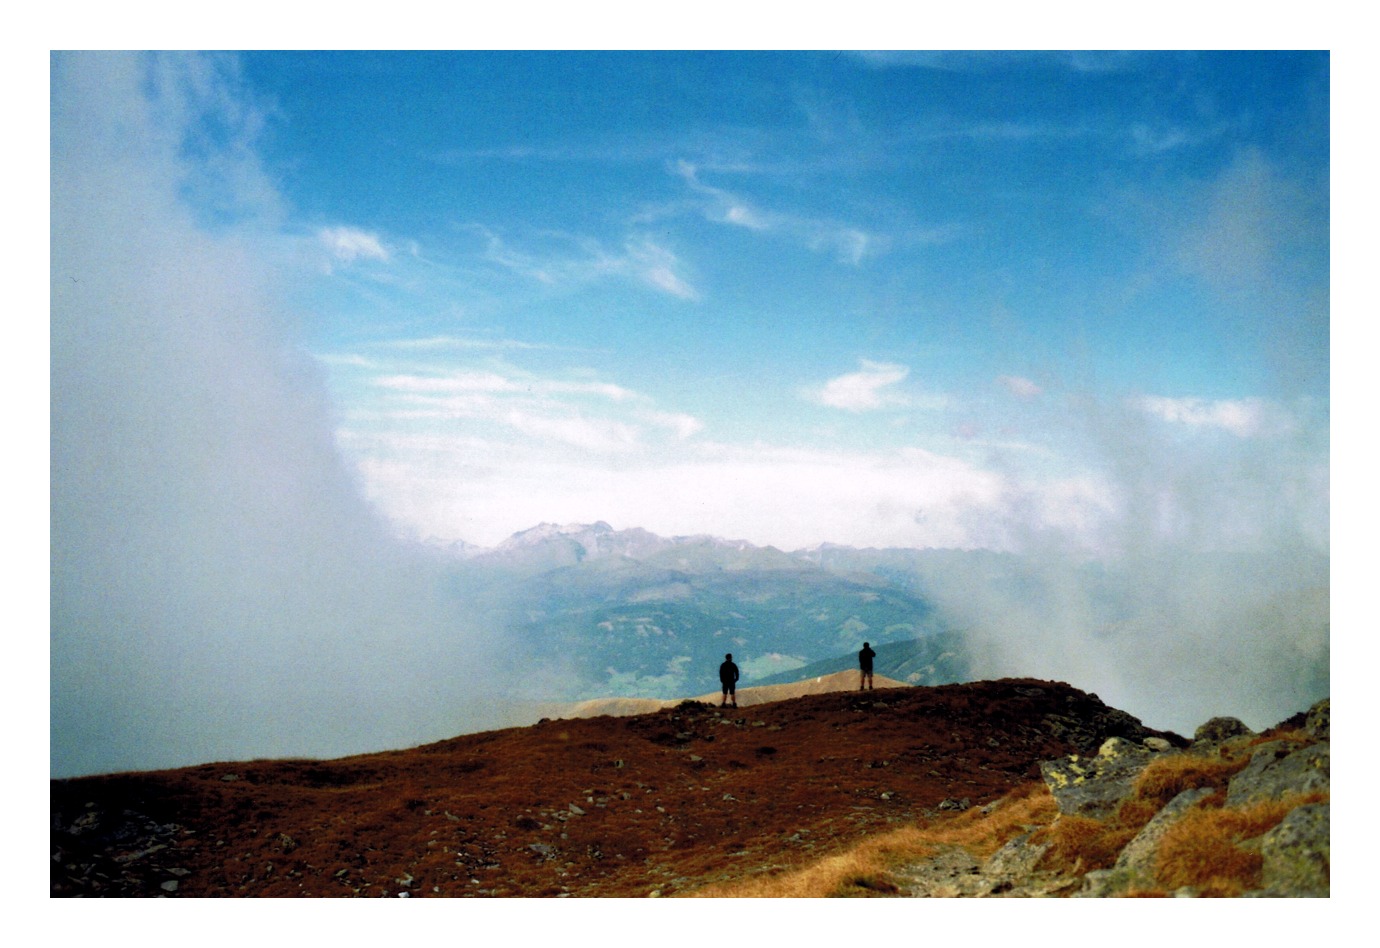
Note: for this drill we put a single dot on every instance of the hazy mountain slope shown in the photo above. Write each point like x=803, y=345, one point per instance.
x=938, y=659
x=598, y=613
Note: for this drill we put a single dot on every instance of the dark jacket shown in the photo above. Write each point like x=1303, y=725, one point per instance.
x=728, y=673
x=865, y=659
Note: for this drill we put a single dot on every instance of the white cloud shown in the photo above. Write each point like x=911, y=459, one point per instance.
x=787, y=497
x=683, y=425
x=349, y=244
x=589, y=434
x=1245, y=417
x=1020, y=387
x=864, y=390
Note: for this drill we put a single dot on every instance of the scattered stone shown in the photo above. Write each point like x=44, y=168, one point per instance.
x=169, y=886
x=1157, y=744
x=952, y=804
x=1221, y=730
x=576, y=811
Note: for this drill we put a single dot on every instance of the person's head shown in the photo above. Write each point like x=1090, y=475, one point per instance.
x=865, y=645
x=728, y=657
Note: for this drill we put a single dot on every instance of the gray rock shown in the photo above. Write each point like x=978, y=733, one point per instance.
x=1016, y=860
x=1135, y=866
x=1094, y=786
x=1157, y=744
x=1139, y=854
x=1297, y=854
x=1220, y=730
x=1319, y=721
x=1278, y=768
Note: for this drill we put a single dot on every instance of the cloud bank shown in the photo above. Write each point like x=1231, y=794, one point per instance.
x=219, y=587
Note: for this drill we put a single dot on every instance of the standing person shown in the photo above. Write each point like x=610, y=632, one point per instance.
x=865, y=663
x=728, y=677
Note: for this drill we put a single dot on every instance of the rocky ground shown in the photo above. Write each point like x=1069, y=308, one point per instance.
x=1226, y=779
x=661, y=804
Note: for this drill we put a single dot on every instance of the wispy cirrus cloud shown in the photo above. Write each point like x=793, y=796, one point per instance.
x=848, y=243
x=562, y=259
x=868, y=389
x=503, y=404
x=498, y=383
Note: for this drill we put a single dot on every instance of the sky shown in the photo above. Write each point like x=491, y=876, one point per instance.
x=309, y=307
x=875, y=299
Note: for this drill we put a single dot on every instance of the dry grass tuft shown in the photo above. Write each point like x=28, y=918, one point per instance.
x=1023, y=809
x=1079, y=844
x=1203, y=849
x=1166, y=777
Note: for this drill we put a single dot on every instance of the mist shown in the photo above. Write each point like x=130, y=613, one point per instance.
x=1203, y=589
x=219, y=590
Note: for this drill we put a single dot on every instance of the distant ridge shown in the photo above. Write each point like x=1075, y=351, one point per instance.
x=761, y=694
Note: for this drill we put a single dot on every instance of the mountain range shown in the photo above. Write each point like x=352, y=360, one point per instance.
x=626, y=613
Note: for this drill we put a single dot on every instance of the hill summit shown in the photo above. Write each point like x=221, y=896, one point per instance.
x=665, y=802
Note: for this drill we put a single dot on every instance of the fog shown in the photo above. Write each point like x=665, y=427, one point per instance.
x=1206, y=588
x=218, y=588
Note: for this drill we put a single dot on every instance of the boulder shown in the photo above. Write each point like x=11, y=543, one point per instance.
x=1279, y=768
x=1094, y=786
x=1297, y=854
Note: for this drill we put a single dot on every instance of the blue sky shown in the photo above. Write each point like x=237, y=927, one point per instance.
x=654, y=288
x=920, y=299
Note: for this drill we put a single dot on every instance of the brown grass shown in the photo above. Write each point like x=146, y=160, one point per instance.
x=1166, y=777
x=1204, y=850
x=1024, y=808
x=864, y=869
x=1079, y=844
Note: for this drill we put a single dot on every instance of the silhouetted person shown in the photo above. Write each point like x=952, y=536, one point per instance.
x=865, y=663
x=728, y=677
